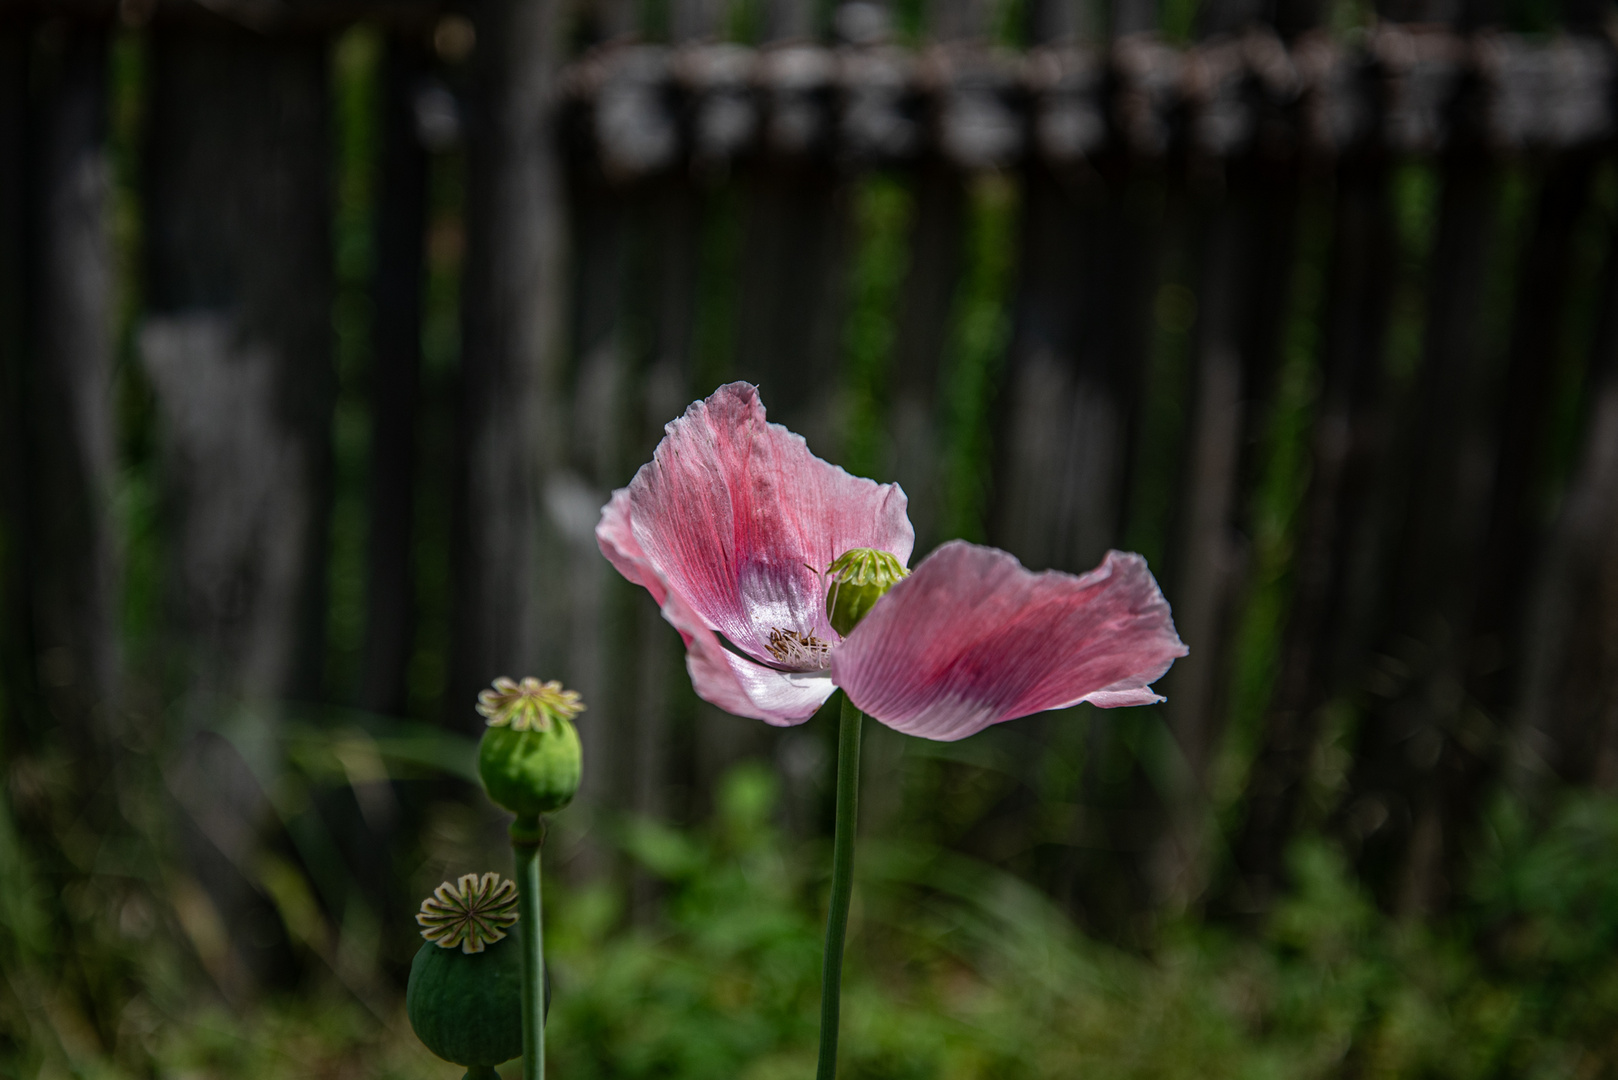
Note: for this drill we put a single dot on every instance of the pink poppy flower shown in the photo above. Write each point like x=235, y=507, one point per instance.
x=731, y=528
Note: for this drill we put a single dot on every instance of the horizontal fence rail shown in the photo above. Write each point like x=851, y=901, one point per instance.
x=1403, y=90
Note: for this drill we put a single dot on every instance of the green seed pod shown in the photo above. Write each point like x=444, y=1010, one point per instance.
x=465, y=992
x=859, y=578
x=530, y=759
x=467, y=1007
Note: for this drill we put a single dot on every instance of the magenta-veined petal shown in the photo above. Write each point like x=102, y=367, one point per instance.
x=736, y=516
x=737, y=684
x=972, y=638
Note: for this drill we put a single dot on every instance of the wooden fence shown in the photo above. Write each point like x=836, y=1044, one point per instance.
x=1071, y=294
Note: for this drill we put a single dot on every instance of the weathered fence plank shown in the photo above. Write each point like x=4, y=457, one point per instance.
x=237, y=345
x=1246, y=266
x=508, y=557
x=1439, y=483
x=1513, y=543
x=1569, y=730
x=395, y=391
x=17, y=665
x=1068, y=404
x=72, y=550
x=955, y=42
x=1323, y=644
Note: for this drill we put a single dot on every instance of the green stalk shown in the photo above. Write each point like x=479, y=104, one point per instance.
x=842, y=884
x=527, y=834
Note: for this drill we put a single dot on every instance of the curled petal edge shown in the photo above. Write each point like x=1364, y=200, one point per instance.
x=615, y=536
x=739, y=685
x=946, y=708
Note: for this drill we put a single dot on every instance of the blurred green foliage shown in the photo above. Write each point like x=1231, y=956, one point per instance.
x=958, y=970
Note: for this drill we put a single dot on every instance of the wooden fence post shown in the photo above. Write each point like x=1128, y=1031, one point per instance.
x=660, y=745
x=72, y=550
x=508, y=558
x=1245, y=277
x=400, y=232
x=16, y=639
x=1323, y=642
x=1394, y=813
x=237, y=344
x=1513, y=544
x=1569, y=708
x=791, y=296
x=927, y=296
x=1066, y=417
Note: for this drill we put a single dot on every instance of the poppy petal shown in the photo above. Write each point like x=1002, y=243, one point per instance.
x=971, y=638
x=738, y=517
x=616, y=538
x=738, y=685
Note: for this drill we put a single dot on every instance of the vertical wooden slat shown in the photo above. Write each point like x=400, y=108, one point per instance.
x=635, y=266
x=693, y=21
x=72, y=466
x=1514, y=541
x=1065, y=424
x=237, y=345
x=789, y=299
x=937, y=253
x=16, y=646
x=1440, y=486
x=1322, y=633
x=1569, y=707
x=1248, y=218
x=508, y=557
x=598, y=416
x=663, y=388
x=1129, y=17
x=788, y=20
x=400, y=231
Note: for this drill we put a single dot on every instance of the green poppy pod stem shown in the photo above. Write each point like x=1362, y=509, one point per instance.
x=530, y=762
x=842, y=884
x=527, y=836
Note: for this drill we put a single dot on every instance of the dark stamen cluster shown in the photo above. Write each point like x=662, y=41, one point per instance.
x=792, y=647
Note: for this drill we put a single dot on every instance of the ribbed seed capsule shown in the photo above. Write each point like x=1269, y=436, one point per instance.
x=530, y=759
x=859, y=578
x=465, y=993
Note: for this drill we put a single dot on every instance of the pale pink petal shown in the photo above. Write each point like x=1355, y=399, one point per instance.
x=617, y=541
x=738, y=685
x=738, y=517
x=971, y=638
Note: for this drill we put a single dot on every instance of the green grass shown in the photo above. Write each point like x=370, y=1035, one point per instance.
x=957, y=970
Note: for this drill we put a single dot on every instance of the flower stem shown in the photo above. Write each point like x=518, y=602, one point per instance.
x=481, y=1072
x=842, y=884
x=527, y=834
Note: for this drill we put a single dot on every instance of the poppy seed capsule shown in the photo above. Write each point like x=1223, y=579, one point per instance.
x=465, y=992
x=530, y=759
x=859, y=578
x=467, y=1007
